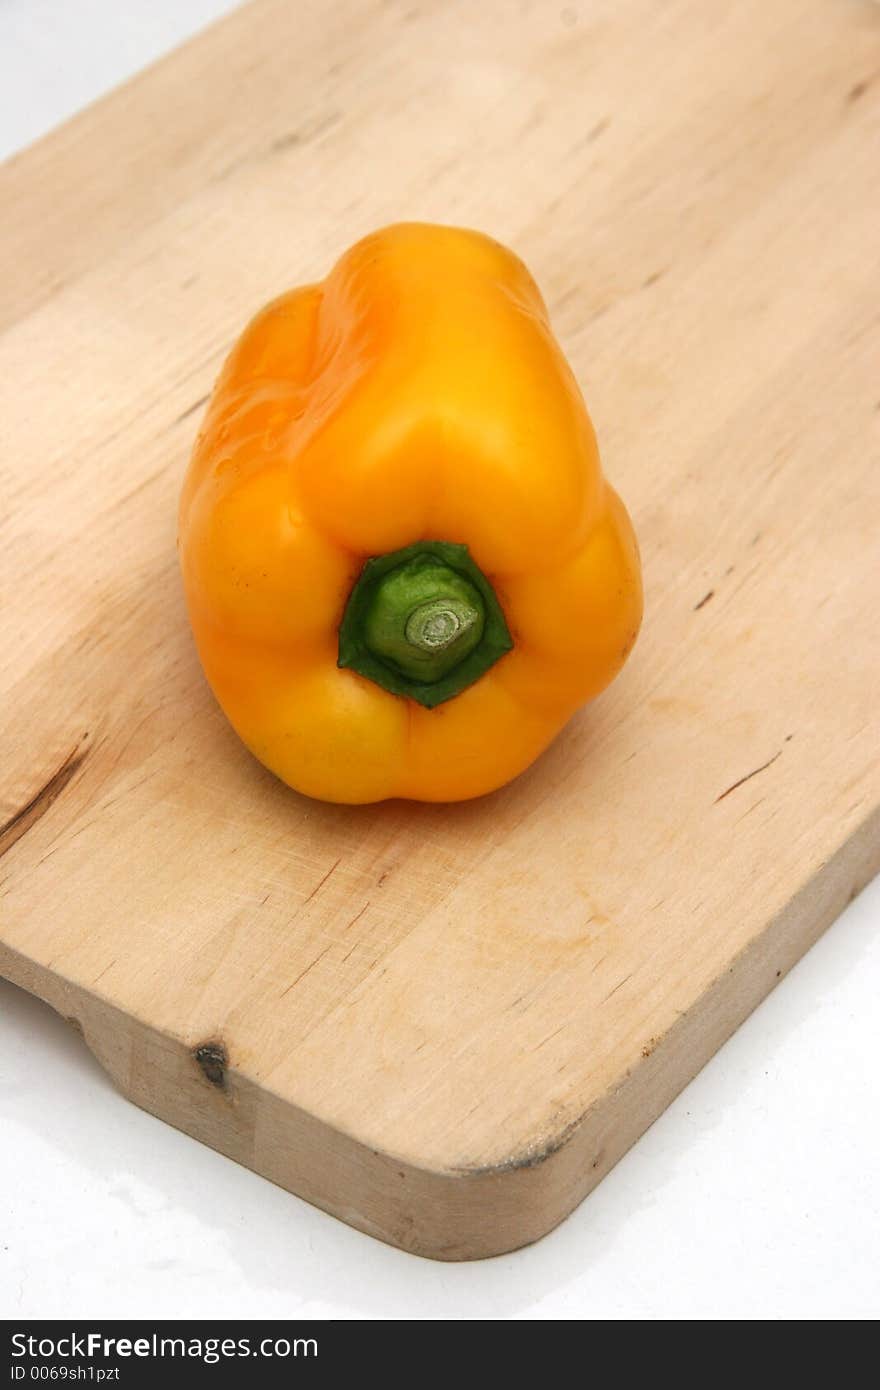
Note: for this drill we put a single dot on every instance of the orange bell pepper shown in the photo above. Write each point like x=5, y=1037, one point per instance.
x=403, y=567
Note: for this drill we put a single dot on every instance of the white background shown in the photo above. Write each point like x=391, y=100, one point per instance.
x=756, y=1196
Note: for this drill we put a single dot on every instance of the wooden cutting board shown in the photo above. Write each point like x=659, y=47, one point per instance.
x=445, y=1024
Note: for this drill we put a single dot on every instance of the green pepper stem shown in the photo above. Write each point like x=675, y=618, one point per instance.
x=436, y=625
x=423, y=622
x=423, y=619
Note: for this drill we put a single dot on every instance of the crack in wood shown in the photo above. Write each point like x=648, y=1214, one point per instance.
x=357, y=917
x=654, y=277
x=858, y=89
x=748, y=777
x=102, y=973
x=191, y=409
x=34, y=809
x=318, y=886
x=303, y=973
x=304, y=135
x=598, y=129
x=620, y=984
x=550, y=1037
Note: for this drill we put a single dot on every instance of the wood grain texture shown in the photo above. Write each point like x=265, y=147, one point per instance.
x=445, y=1024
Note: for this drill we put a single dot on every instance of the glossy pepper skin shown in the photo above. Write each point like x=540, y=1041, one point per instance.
x=416, y=395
